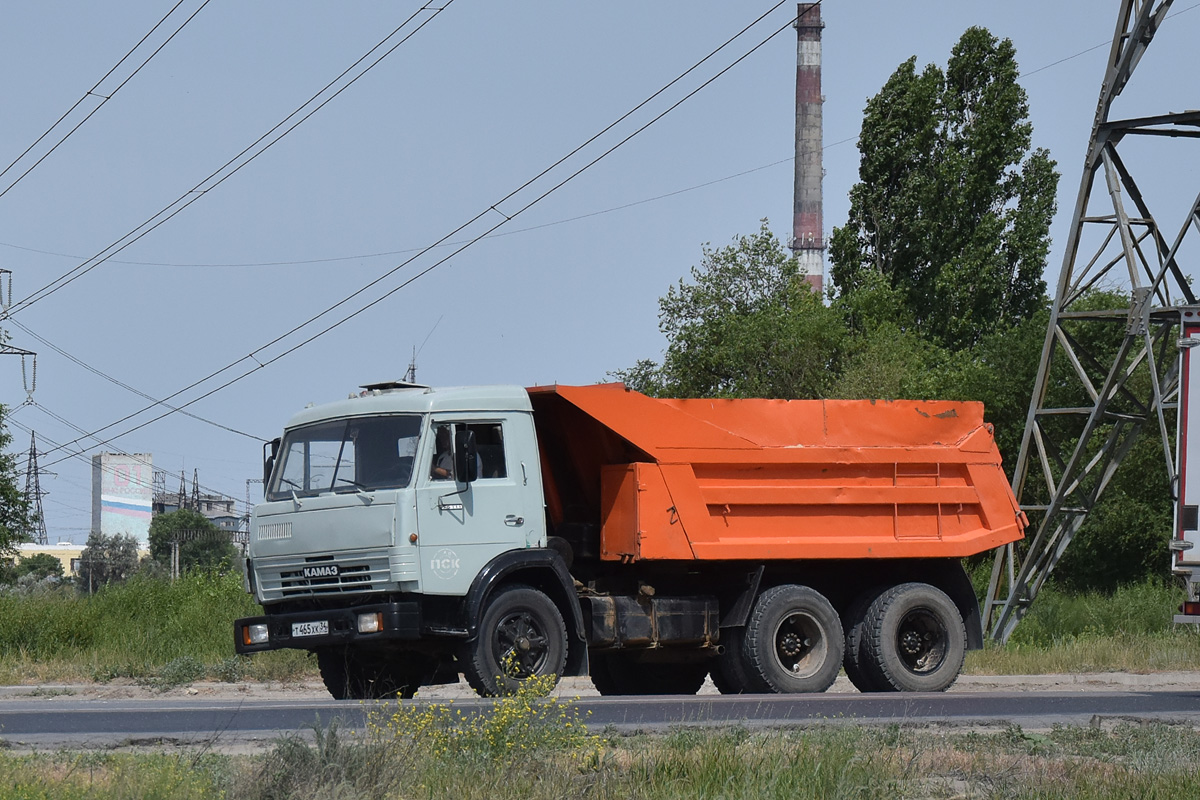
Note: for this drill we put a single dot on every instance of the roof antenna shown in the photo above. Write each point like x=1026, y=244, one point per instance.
x=411, y=375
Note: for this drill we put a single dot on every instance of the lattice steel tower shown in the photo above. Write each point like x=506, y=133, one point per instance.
x=1106, y=374
x=34, y=493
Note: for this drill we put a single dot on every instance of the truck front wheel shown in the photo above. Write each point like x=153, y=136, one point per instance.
x=351, y=676
x=521, y=635
x=915, y=639
x=794, y=640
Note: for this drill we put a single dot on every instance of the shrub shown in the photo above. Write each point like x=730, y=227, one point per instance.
x=511, y=728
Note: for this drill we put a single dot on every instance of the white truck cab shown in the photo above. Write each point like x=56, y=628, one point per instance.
x=356, y=480
x=402, y=494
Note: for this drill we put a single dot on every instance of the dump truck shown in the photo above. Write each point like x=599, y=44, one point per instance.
x=412, y=534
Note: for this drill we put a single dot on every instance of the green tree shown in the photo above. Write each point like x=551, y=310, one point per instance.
x=884, y=355
x=952, y=207
x=39, y=565
x=747, y=325
x=16, y=515
x=106, y=559
x=202, y=545
x=999, y=371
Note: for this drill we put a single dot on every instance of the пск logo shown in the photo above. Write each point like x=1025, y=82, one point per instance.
x=444, y=563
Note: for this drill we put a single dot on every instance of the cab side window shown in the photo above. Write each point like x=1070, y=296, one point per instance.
x=489, y=438
x=442, y=468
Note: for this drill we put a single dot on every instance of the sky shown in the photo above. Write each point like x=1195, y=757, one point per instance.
x=427, y=146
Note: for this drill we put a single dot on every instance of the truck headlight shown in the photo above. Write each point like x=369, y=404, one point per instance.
x=370, y=623
x=255, y=634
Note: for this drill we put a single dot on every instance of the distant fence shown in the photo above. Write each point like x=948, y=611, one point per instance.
x=237, y=538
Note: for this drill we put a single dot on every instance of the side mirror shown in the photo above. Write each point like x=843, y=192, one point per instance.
x=466, y=456
x=269, y=461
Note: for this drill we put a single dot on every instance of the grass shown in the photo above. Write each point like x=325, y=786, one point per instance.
x=527, y=747
x=1154, y=761
x=165, y=634
x=151, y=630
x=1130, y=630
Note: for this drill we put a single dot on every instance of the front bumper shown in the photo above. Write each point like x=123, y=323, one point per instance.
x=399, y=621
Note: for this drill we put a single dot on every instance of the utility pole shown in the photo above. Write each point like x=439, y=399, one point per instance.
x=33, y=484
x=1091, y=402
x=249, y=505
x=30, y=382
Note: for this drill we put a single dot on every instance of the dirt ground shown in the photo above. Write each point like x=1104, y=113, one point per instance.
x=582, y=687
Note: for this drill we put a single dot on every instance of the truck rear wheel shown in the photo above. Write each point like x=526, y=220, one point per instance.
x=856, y=655
x=731, y=671
x=619, y=674
x=794, y=640
x=521, y=635
x=915, y=640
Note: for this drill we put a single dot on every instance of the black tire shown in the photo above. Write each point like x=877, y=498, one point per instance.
x=619, y=674
x=855, y=657
x=794, y=640
x=404, y=675
x=335, y=673
x=731, y=672
x=521, y=635
x=350, y=676
x=915, y=640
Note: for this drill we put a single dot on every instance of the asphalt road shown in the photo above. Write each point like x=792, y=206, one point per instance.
x=227, y=723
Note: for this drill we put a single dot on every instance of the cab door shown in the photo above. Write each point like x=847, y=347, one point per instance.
x=463, y=525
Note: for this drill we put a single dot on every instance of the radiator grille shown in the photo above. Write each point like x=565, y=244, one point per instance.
x=281, y=578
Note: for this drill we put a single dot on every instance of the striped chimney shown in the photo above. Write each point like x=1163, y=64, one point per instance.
x=808, y=241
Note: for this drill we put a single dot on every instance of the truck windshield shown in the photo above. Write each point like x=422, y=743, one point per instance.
x=346, y=455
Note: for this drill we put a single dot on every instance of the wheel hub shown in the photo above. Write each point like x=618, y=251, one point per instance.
x=522, y=645
x=792, y=645
x=912, y=642
x=921, y=641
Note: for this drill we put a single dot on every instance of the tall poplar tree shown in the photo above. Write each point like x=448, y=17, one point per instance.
x=952, y=207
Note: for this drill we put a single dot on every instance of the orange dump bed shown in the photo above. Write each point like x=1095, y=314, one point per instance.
x=773, y=479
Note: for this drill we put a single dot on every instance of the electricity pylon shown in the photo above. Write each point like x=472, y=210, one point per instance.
x=1107, y=375
x=34, y=494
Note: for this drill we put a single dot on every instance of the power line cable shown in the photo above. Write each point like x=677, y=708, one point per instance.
x=492, y=232
x=260, y=364
x=93, y=93
x=363, y=256
x=212, y=181
x=83, y=269
x=1096, y=47
x=126, y=386
x=252, y=356
x=87, y=459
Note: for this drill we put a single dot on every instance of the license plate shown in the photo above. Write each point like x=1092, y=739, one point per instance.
x=318, y=628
